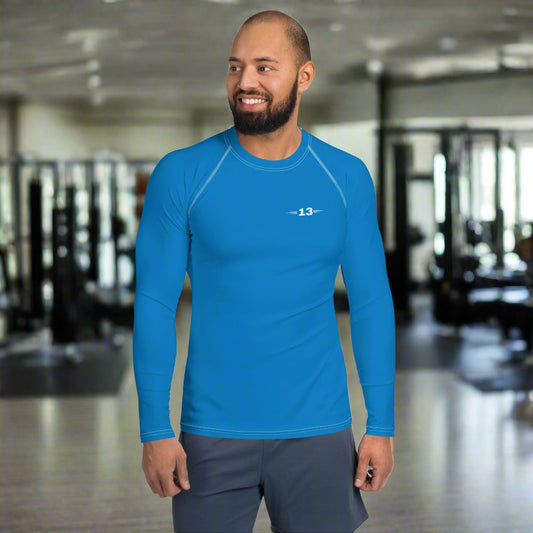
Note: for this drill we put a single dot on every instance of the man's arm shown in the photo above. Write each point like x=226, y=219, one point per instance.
x=372, y=326
x=161, y=260
x=161, y=253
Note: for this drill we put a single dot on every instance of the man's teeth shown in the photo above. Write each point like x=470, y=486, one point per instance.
x=253, y=100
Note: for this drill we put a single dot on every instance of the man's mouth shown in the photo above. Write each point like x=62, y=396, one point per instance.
x=246, y=100
x=251, y=102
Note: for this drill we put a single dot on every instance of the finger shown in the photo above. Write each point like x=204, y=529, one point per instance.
x=366, y=487
x=175, y=478
x=367, y=484
x=182, y=476
x=154, y=485
x=378, y=480
x=169, y=487
x=176, y=482
x=361, y=471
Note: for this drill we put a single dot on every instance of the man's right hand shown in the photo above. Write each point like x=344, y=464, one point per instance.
x=161, y=458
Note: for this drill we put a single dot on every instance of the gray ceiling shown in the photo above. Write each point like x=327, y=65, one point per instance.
x=175, y=51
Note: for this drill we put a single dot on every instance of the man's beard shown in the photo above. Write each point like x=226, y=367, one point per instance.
x=257, y=123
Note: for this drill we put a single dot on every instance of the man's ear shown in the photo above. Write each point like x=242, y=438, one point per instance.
x=306, y=74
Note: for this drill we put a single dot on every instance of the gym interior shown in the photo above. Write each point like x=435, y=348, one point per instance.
x=435, y=97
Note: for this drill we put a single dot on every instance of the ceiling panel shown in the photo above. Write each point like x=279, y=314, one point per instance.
x=176, y=51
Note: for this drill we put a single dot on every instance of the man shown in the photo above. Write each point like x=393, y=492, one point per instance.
x=261, y=216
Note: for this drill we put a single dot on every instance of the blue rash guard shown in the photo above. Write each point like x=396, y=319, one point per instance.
x=262, y=242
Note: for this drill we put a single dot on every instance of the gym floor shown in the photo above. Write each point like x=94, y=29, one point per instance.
x=464, y=458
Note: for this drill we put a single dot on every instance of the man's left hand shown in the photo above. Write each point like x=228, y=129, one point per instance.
x=378, y=454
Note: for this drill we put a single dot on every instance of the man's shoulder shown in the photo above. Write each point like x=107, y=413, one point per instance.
x=184, y=170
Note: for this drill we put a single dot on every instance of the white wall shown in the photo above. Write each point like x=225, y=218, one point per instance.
x=68, y=131
x=357, y=138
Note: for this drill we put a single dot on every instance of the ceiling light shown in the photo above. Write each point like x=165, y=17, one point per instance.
x=438, y=66
x=448, y=43
x=92, y=65
x=90, y=38
x=515, y=62
x=431, y=67
x=374, y=67
x=510, y=11
x=525, y=48
x=94, y=81
x=380, y=44
x=336, y=27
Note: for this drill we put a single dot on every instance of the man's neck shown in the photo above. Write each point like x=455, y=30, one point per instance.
x=277, y=145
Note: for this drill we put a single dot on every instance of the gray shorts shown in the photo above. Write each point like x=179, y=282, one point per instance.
x=307, y=482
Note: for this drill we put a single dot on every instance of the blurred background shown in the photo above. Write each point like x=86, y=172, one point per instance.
x=435, y=97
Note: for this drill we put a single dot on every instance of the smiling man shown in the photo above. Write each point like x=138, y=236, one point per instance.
x=261, y=216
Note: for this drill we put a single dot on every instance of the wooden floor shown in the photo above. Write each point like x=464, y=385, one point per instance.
x=464, y=459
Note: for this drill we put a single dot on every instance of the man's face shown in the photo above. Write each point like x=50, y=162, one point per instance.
x=262, y=81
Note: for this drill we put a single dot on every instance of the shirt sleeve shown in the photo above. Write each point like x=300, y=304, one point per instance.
x=371, y=306
x=161, y=252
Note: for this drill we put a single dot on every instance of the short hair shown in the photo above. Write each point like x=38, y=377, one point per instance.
x=293, y=30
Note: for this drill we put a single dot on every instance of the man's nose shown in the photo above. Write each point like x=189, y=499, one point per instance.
x=248, y=79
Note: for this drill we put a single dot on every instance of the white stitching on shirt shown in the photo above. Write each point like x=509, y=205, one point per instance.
x=194, y=426
x=329, y=174
x=209, y=179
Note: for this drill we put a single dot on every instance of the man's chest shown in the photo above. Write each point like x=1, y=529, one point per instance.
x=269, y=214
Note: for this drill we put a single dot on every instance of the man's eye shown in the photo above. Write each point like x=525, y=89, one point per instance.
x=264, y=68
x=233, y=68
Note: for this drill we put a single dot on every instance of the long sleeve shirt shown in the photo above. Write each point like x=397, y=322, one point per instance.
x=262, y=241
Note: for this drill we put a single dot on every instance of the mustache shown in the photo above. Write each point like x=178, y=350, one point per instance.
x=251, y=93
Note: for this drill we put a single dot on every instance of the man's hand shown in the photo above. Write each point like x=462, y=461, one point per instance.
x=160, y=459
x=378, y=453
